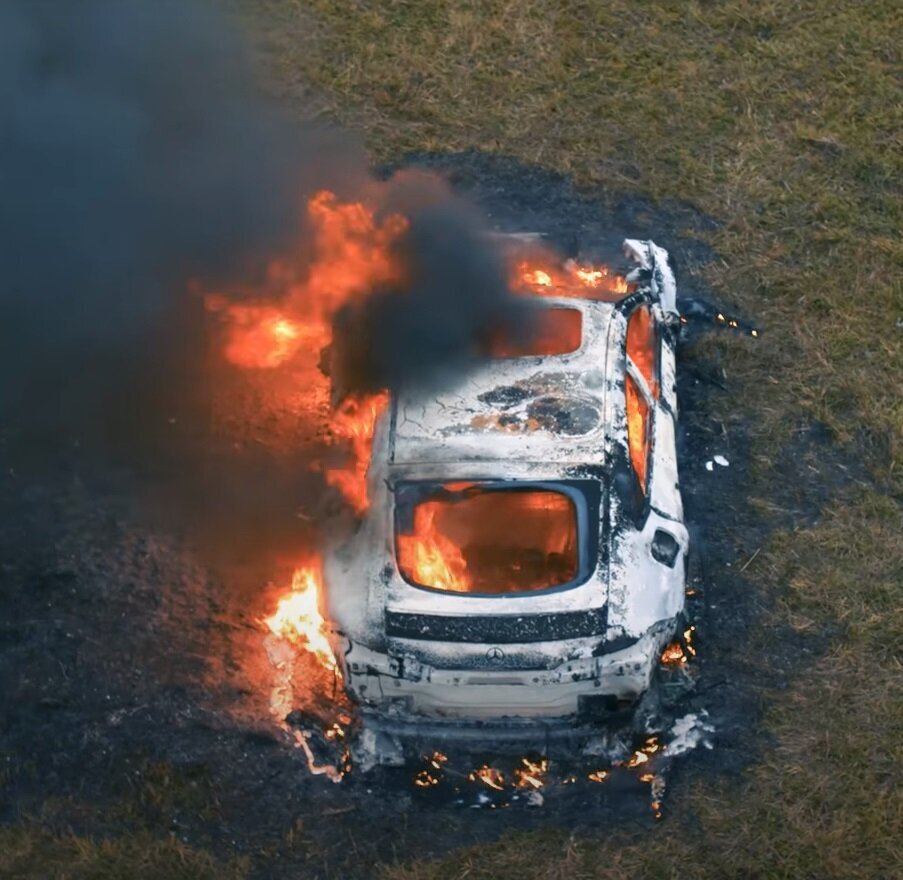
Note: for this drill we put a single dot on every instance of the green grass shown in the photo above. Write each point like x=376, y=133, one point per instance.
x=30, y=854
x=781, y=120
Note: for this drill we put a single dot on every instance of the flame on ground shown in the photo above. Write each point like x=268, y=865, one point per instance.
x=679, y=652
x=349, y=256
x=489, y=776
x=643, y=754
x=689, y=636
x=673, y=655
x=531, y=773
x=432, y=774
x=298, y=618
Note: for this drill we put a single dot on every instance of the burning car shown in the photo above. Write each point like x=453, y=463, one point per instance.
x=524, y=553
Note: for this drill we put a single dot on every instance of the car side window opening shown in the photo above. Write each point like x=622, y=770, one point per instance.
x=643, y=346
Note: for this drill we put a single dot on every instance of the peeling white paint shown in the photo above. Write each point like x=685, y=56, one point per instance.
x=689, y=732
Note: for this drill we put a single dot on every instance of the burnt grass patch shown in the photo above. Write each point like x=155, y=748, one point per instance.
x=127, y=705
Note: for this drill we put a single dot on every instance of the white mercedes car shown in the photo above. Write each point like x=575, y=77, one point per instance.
x=524, y=554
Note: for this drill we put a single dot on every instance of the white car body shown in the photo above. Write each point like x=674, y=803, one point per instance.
x=412, y=653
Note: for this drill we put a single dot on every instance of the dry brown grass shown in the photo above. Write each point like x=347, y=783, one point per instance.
x=29, y=853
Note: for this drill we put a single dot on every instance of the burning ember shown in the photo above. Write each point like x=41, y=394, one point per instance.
x=643, y=754
x=489, y=776
x=532, y=772
x=432, y=774
x=678, y=653
x=673, y=655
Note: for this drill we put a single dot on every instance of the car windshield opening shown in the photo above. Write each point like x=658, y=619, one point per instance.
x=468, y=538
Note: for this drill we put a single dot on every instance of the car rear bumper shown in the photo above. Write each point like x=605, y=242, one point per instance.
x=405, y=688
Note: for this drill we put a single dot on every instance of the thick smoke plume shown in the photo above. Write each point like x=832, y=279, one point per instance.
x=441, y=317
x=138, y=162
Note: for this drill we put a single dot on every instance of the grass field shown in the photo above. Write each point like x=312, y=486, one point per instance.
x=781, y=121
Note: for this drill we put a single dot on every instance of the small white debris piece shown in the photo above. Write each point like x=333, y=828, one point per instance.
x=535, y=798
x=720, y=459
x=377, y=749
x=709, y=466
x=687, y=733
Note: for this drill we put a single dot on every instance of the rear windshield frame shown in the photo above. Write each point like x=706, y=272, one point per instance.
x=585, y=495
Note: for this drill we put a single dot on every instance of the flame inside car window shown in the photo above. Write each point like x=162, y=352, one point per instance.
x=637, y=429
x=642, y=346
x=553, y=331
x=488, y=540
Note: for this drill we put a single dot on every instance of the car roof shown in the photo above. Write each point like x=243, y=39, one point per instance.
x=551, y=409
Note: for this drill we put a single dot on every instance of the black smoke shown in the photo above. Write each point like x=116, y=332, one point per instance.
x=139, y=160
x=439, y=320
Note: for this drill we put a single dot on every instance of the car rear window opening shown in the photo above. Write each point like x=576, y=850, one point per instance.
x=487, y=539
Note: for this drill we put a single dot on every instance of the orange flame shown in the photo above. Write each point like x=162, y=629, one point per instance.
x=425, y=779
x=643, y=754
x=430, y=556
x=544, y=275
x=678, y=653
x=432, y=774
x=348, y=252
x=489, y=776
x=298, y=619
x=673, y=655
x=466, y=544
x=355, y=421
x=349, y=255
x=531, y=773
